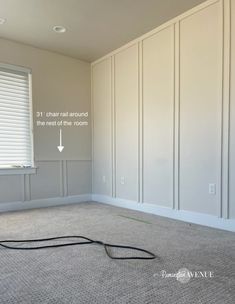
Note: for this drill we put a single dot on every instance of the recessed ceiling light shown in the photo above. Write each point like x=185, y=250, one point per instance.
x=59, y=29
x=2, y=20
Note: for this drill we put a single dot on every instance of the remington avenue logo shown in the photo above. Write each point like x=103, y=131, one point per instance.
x=184, y=275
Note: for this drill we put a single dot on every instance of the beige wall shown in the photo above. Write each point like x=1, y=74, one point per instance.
x=59, y=84
x=178, y=146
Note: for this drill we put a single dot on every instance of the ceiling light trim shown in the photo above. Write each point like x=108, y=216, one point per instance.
x=60, y=29
x=2, y=21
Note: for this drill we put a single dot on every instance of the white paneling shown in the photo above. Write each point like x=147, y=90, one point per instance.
x=184, y=111
x=200, y=109
x=101, y=91
x=126, y=106
x=158, y=109
x=46, y=183
x=232, y=117
x=78, y=177
x=11, y=188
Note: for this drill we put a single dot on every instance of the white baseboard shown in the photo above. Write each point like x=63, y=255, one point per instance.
x=41, y=203
x=186, y=216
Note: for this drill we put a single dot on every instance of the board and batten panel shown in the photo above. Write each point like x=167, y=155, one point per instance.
x=126, y=118
x=102, y=152
x=200, y=109
x=78, y=177
x=46, y=183
x=158, y=111
x=11, y=188
x=232, y=118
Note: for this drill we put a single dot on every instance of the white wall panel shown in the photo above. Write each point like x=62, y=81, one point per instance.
x=102, y=164
x=158, y=110
x=232, y=116
x=11, y=188
x=200, y=109
x=78, y=177
x=126, y=110
x=46, y=183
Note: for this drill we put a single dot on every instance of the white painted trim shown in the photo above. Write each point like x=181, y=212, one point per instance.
x=17, y=68
x=226, y=108
x=31, y=119
x=186, y=216
x=27, y=187
x=113, y=126
x=92, y=132
x=61, y=179
x=176, y=119
x=16, y=171
x=23, y=193
x=42, y=203
x=65, y=178
x=140, y=122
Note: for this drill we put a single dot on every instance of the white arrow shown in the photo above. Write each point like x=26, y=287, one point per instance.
x=60, y=147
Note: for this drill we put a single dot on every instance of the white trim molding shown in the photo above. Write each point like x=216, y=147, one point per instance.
x=16, y=171
x=42, y=203
x=181, y=215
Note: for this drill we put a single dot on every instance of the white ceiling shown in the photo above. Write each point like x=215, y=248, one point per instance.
x=94, y=27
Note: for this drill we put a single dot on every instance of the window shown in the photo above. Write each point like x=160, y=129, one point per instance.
x=16, y=141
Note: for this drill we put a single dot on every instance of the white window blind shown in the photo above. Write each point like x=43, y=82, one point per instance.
x=15, y=118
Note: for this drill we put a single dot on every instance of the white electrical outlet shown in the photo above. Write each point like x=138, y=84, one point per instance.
x=212, y=189
x=122, y=181
x=104, y=179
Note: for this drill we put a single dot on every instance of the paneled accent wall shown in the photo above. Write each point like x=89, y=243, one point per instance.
x=166, y=103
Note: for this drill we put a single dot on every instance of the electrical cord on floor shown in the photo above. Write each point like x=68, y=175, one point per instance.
x=150, y=255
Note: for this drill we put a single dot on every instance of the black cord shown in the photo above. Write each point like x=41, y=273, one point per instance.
x=86, y=241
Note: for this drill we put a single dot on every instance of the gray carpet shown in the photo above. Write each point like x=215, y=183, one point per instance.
x=86, y=275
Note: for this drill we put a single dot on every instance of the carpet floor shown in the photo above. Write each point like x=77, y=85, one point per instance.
x=85, y=274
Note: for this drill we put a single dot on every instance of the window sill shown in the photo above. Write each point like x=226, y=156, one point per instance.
x=16, y=171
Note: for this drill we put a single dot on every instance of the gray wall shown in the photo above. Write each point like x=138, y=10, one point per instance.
x=59, y=84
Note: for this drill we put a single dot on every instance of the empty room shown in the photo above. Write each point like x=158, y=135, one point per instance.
x=117, y=151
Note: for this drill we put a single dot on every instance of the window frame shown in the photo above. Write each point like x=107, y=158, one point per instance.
x=21, y=170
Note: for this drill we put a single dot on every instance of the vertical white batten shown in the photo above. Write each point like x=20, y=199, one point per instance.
x=27, y=187
x=61, y=179
x=31, y=117
x=176, y=118
x=226, y=108
x=140, y=122
x=92, y=133
x=23, y=188
x=65, y=178
x=113, y=126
